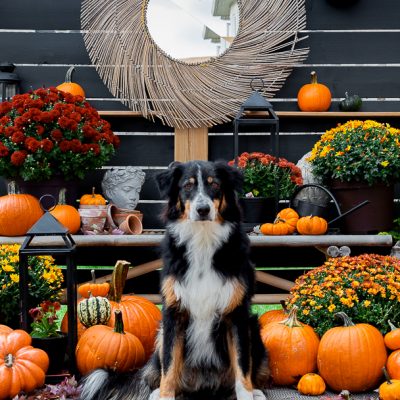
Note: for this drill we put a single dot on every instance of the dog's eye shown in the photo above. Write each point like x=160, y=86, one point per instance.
x=188, y=186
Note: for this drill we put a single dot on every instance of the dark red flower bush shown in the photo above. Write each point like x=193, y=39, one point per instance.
x=49, y=133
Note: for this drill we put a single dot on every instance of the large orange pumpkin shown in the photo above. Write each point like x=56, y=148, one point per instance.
x=351, y=356
x=292, y=348
x=141, y=316
x=392, y=338
x=18, y=212
x=104, y=347
x=273, y=315
x=67, y=215
x=314, y=96
x=393, y=365
x=22, y=367
x=71, y=87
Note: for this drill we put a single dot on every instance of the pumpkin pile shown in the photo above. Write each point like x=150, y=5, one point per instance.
x=288, y=222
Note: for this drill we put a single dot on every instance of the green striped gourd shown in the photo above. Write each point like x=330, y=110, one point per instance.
x=95, y=310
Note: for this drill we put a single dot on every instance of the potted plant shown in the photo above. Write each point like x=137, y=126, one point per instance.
x=45, y=278
x=360, y=160
x=264, y=177
x=49, y=134
x=46, y=334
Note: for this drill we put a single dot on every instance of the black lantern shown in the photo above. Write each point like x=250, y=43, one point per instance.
x=48, y=230
x=9, y=82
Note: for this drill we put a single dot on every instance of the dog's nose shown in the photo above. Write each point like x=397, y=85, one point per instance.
x=203, y=210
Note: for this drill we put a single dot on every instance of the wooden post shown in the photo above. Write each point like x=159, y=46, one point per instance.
x=191, y=144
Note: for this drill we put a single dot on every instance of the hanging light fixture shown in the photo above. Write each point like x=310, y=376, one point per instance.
x=9, y=81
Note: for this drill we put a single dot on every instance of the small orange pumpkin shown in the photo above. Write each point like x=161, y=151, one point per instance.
x=292, y=348
x=66, y=214
x=92, y=199
x=311, y=384
x=312, y=225
x=389, y=390
x=392, y=338
x=314, y=96
x=104, y=347
x=277, y=228
x=393, y=365
x=97, y=289
x=273, y=315
x=71, y=87
x=289, y=217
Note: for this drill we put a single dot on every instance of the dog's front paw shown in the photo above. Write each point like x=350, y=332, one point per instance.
x=258, y=395
x=155, y=395
x=242, y=393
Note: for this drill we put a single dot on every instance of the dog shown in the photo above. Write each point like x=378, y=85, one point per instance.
x=208, y=345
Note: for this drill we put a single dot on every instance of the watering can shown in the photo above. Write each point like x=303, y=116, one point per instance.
x=305, y=208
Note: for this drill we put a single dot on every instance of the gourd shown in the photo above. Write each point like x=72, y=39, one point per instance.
x=96, y=289
x=92, y=199
x=22, y=367
x=314, y=96
x=18, y=212
x=389, y=390
x=276, y=228
x=105, y=347
x=274, y=315
x=141, y=316
x=392, y=338
x=66, y=214
x=350, y=103
x=393, y=364
x=312, y=225
x=289, y=217
x=311, y=384
x=95, y=310
x=292, y=348
x=362, y=355
x=71, y=87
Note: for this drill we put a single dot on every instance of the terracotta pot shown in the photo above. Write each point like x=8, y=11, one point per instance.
x=132, y=225
x=93, y=217
x=115, y=215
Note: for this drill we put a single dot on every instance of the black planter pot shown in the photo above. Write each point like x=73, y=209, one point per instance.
x=256, y=211
x=55, y=347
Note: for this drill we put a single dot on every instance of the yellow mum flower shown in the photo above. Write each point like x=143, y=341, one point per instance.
x=367, y=303
x=14, y=278
x=331, y=308
x=385, y=163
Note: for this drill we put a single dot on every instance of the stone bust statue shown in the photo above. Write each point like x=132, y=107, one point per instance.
x=121, y=186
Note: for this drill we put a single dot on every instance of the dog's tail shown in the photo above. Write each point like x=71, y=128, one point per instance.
x=102, y=384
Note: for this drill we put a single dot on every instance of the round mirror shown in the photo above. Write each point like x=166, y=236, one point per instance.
x=193, y=31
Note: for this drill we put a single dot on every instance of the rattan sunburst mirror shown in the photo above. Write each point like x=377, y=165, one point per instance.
x=147, y=79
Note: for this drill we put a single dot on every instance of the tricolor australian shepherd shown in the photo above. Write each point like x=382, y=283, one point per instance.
x=208, y=345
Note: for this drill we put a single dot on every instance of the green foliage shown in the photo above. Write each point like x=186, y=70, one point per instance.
x=395, y=232
x=45, y=318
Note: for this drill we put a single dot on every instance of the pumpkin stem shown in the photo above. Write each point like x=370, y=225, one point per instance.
x=291, y=321
x=93, y=274
x=314, y=77
x=61, y=196
x=346, y=319
x=118, y=279
x=68, y=75
x=119, y=322
x=345, y=394
x=387, y=377
x=392, y=326
x=93, y=192
x=283, y=304
x=12, y=188
x=9, y=360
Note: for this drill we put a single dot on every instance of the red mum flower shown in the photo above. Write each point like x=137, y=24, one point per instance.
x=32, y=144
x=18, y=137
x=47, y=145
x=18, y=157
x=3, y=150
x=65, y=146
x=57, y=135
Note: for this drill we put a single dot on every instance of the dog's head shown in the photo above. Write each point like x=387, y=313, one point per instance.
x=201, y=191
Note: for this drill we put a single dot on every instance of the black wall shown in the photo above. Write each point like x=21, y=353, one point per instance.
x=353, y=48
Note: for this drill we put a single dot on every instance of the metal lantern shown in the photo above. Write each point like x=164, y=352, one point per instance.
x=9, y=82
x=52, y=239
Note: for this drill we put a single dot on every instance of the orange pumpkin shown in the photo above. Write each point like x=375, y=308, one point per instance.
x=81, y=329
x=5, y=329
x=18, y=212
x=314, y=96
x=289, y=217
x=311, y=384
x=292, y=348
x=273, y=315
x=277, y=228
x=312, y=225
x=71, y=87
x=104, y=347
x=389, y=390
x=392, y=338
x=141, y=316
x=96, y=289
x=393, y=365
x=22, y=367
x=92, y=199
x=67, y=215
x=362, y=356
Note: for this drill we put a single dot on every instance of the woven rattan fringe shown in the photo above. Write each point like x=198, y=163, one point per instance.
x=182, y=95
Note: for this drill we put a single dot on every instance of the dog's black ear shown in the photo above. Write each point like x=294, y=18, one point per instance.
x=167, y=180
x=231, y=176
